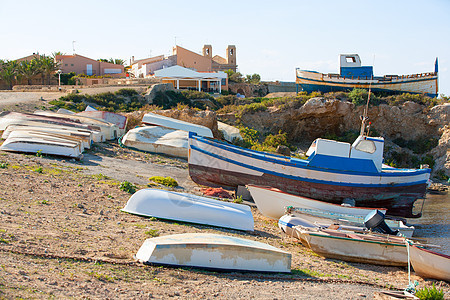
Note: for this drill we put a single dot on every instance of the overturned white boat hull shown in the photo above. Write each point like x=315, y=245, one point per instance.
x=229, y=132
x=429, y=264
x=155, y=119
x=157, y=139
x=108, y=129
x=214, y=251
x=272, y=202
x=110, y=117
x=83, y=136
x=28, y=142
x=190, y=208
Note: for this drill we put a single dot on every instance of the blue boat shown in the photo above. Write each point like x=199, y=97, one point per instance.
x=353, y=75
x=334, y=172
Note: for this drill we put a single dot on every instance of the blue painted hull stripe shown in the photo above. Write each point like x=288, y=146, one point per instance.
x=367, y=82
x=285, y=223
x=301, y=164
x=298, y=178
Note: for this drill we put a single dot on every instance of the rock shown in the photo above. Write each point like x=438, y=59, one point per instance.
x=154, y=89
x=283, y=150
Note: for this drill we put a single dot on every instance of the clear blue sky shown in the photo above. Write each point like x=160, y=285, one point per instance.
x=272, y=37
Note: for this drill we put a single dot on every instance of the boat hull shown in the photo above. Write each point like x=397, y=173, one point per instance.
x=272, y=203
x=429, y=264
x=214, y=251
x=190, y=208
x=354, y=249
x=425, y=83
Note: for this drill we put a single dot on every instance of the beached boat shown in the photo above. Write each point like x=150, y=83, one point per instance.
x=158, y=120
x=108, y=129
x=272, y=203
x=230, y=133
x=190, y=208
x=429, y=264
x=353, y=75
x=355, y=247
x=317, y=218
x=157, y=139
x=214, y=251
x=334, y=172
x=83, y=136
x=33, y=142
x=110, y=117
x=15, y=118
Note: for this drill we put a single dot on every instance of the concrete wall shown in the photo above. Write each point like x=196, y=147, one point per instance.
x=280, y=86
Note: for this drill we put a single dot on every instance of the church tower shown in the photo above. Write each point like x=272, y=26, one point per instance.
x=231, y=54
x=207, y=51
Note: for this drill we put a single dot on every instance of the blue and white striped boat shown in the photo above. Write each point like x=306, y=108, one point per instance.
x=353, y=75
x=334, y=172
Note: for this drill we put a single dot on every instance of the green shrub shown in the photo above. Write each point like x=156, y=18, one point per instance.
x=3, y=165
x=167, y=181
x=431, y=293
x=152, y=232
x=127, y=187
x=358, y=96
x=421, y=145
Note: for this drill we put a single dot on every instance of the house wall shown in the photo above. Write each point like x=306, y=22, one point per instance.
x=79, y=65
x=192, y=60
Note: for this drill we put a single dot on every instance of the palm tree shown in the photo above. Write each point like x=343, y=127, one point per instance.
x=28, y=69
x=9, y=72
x=47, y=66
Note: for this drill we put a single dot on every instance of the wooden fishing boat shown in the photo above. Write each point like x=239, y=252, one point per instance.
x=158, y=120
x=190, y=208
x=214, y=251
x=32, y=142
x=353, y=75
x=333, y=172
x=355, y=247
x=429, y=264
x=272, y=203
x=157, y=139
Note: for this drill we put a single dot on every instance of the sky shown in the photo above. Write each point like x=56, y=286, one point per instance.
x=272, y=38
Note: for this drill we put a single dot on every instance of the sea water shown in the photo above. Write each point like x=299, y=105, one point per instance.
x=434, y=225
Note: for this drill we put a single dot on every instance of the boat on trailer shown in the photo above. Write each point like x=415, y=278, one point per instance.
x=214, y=251
x=352, y=75
x=190, y=208
x=429, y=264
x=334, y=172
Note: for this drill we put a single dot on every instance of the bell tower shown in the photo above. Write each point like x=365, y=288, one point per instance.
x=207, y=51
x=231, y=54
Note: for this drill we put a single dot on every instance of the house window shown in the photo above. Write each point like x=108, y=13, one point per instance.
x=350, y=59
x=231, y=52
x=71, y=65
x=223, y=81
x=66, y=65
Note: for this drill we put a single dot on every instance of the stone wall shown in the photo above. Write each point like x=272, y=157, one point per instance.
x=249, y=90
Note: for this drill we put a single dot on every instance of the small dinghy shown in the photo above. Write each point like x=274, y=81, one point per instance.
x=319, y=218
x=429, y=264
x=157, y=139
x=272, y=202
x=190, y=208
x=155, y=119
x=214, y=251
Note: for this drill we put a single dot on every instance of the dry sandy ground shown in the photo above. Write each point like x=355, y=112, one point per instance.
x=62, y=235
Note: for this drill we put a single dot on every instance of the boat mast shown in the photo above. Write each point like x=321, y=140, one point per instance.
x=365, y=116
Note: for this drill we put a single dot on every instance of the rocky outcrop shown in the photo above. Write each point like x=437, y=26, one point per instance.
x=248, y=90
x=205, y=118
x=154, y=89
